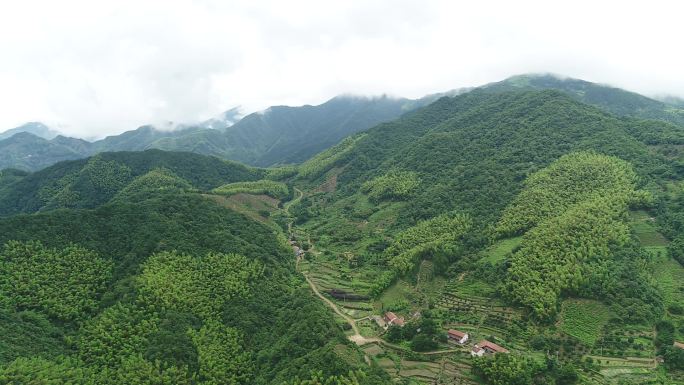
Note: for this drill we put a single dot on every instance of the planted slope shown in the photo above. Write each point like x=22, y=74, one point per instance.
x=571, y=179
x=577, y=210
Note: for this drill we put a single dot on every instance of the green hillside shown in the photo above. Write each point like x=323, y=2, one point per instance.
x=90, y=182
x=544, y=227
x=155, y=283
x=611, y=99
x=507, y=215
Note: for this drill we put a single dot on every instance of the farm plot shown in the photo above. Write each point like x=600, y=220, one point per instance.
x=584, y=319
x=482, y=317
x=498, y=251
x=645, y=229
x=329, y=275
x=448, y=370
x=474, y=310
x=669, y=275
x=622, y=343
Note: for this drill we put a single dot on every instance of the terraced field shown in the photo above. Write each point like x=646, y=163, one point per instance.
x=498, y=251
x=450, y=369
x=645, y=229
x=584, y=319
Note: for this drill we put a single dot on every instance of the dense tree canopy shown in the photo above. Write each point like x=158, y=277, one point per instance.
x=65, y=284
x=426, y=240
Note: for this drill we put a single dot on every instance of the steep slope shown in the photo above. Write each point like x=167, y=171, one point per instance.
x=469, y=153
x=291, y=134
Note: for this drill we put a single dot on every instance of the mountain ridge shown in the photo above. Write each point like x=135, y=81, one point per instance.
x=286, y=135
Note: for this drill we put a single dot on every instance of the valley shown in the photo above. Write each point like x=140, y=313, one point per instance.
x=499, y=236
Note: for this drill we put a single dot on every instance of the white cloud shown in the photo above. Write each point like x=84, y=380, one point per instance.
x=102, y=67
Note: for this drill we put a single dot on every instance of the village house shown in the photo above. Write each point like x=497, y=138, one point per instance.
x=456, y=336
x=393, y=319
x=485, y=347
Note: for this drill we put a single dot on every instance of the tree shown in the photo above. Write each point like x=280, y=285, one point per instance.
x=222, y=359
x=506, y=369
x=423, y=342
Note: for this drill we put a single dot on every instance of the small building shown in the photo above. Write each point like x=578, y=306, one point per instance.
x=393, y=319
x=485, y=347
x=456, y=336
x=679, y=345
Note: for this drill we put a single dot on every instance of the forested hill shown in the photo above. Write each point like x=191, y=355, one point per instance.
x=472, y=152
x=284, y=134
x=543, y=226
x=88, y=183
x=134, y=272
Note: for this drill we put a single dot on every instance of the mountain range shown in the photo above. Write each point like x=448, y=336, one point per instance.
x=278, y=135
x=290, y=135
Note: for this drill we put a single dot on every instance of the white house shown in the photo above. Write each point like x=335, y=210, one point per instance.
x=485, y=347
x=457, y=336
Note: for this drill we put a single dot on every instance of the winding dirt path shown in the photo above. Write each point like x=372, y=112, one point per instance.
x=357, y=335
x=357, y=338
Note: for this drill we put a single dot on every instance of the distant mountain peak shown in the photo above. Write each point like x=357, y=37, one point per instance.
x=224, y=120
x=36, y=128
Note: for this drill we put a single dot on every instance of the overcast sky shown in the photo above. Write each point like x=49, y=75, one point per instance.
x=93, y=67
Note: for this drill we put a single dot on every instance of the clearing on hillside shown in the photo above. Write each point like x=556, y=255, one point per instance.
x=584, y=319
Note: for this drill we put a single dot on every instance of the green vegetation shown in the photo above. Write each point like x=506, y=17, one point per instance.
x=222, y=359
x=65, y=284
x=549, y=187
x=89, y=183
x=157, y=285
x=187, y=284
x=436, y=239
x=268, y=187
x=157, y=181
x=575, y=229
x=584, y=319
x=506, y=369
x=393, y=185
x=324, y=161
x=501, y=249
x=570, y=180
x=524, y=218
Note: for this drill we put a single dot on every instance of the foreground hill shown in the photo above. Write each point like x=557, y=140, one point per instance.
x=129, y=274
x=546, y=229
